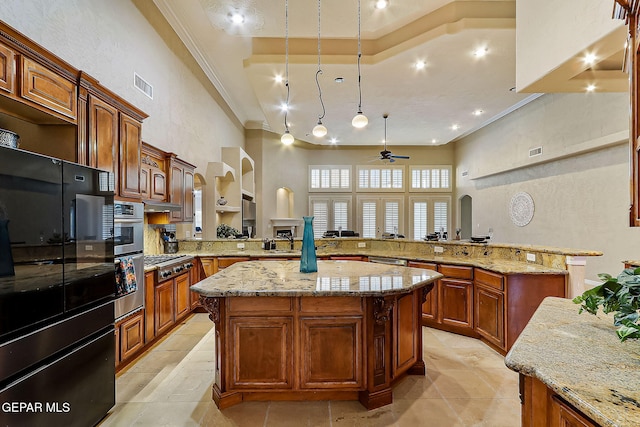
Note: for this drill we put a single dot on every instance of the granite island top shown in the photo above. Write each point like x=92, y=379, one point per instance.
x=580, y=357
x=333, y=278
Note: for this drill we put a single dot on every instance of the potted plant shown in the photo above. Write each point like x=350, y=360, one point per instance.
x=619, y=295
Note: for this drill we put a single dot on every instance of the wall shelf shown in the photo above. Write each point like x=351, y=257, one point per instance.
x=226, y=208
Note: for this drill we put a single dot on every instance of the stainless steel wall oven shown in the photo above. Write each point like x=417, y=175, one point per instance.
x=129, y=247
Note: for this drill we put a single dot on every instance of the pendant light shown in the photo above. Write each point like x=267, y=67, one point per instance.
x=319, y=130
x=360, y=120
x=286, y=138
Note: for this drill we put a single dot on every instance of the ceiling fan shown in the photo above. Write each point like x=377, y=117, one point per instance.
x=386, y=154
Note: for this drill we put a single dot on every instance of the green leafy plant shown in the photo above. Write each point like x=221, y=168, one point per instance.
x=225, y=231
x=619, y=295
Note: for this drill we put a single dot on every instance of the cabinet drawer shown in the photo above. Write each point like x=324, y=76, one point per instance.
x=427, y=265
x=331, y=305
x=262, y=305
x=47, y=89
x=490, y=279
x=226, y=262
x=456, y=271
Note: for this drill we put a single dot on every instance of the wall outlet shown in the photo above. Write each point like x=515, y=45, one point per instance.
x=531, y=257
x=240, y=245
x=362, y=244
x=187, y=234
x=438, y=249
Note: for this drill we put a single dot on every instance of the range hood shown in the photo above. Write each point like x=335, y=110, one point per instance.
x=152, y=206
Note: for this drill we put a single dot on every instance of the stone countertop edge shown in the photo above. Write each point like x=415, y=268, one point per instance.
x=580, y=357
x=334, y=278
x=498, y=266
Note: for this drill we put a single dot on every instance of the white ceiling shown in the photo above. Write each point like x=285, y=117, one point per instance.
x=423, y=105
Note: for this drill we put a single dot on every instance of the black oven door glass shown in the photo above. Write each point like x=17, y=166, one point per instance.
x=32, y=241
x=88, y=215
x=124, y=234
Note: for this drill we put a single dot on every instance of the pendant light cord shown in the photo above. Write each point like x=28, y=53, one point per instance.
x=286, y=60
x=319, y=70
x=359, y=56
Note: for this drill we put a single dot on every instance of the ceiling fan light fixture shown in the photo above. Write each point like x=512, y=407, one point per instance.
x=360, y=120
x=287, y=138
x=319, y=130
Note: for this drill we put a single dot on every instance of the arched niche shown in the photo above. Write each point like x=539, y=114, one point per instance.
x=284, y=203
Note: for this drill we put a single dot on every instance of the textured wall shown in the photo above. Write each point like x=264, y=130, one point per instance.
x=581, y=200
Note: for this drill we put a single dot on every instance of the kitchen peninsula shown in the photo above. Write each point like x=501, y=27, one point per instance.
x=348, y=332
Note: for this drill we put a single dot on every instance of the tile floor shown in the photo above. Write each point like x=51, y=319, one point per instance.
x=466, y=384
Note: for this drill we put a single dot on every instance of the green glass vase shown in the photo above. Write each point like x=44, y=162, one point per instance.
x=308, y=261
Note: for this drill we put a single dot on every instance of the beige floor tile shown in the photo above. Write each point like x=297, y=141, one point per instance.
x=123, y=414
x=195, y=328
x=297, y=414
x=442, y=358
x=487, y=412
x=249, y=414
x=353, y=414
x=461, y=384
x=172, y=414
x=504, y=381
x=177, y=341
x=481, y=357
x=157, y=360
x=416, y=387
x=425, y=413
x=131, y=386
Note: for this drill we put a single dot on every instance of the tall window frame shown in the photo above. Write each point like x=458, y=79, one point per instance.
x=330, y=178
x=375, y=215
x=380, y=178
x=337, y=211
x=432, y=207
x=430, y=178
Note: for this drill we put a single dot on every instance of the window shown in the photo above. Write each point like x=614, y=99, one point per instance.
x=380, y=215
x=430, y=178
x=329, y=178
x=330, y=213
x=429, y=215
x=381, y=178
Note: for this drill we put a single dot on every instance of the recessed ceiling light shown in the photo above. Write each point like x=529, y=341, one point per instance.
x=381, y=4
x=420, y=65
x=433, y=141
x=278, y=78
x=591, y=88
x=455, y=127
x=589, y=58
x=334, y=140
x=339, y=79
x=236, y=18
x=480, y=52
x=477, y=112
x=284, y=106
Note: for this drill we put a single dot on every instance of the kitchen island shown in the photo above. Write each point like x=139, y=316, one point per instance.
x=348, y=332
x=574, y=370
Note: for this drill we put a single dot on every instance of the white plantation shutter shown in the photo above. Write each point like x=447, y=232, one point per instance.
x=391, y=216
x=385, y=178
x=444, y=178
x=363, y=178
x=426, y=182
x=431, y=178
x=415, y=178
x=320, y=213
x=435, y=178
x=419, y=220
x=368, y=219
x=440, y=216
x=340, y=215
x=315, y=178
x=396, y=180
x=345, y=178
x=325, y=178
x=374, y=178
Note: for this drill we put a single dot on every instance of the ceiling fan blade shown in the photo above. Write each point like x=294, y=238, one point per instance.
x=399, y=157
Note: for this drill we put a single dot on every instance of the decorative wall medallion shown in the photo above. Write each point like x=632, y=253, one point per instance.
x=521, y=209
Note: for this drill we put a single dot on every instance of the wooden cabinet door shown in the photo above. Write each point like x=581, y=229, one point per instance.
x=103, y=136
x=262, y=355
x=183, y=300
x=489, y=314
x=145, y=182
x=227, y=261
x=456, y=303
x=331, y=352
x=208, y=266
x=7, y=70
x=131, y=336
x=563, y=415
x=149, y=305
x=45, y=88
x=130, y=157
x=176, y=192
x=430, y=306
x=158, y=184
x=187, y=205
x=405, y=319
x=164, y=306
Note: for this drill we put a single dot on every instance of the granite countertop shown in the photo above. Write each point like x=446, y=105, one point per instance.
x=580, y=357
x=334, y=278
x=497, y=265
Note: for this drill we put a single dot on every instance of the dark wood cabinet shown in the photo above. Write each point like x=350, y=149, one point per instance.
x=430, y=306
x=48, y=89
x=153, y=178
x=129, y=158
x=456, y=300
x=164, y=306
x=183, y=297
x=7, y=70
x=129, y=337
x=149, y=305
x=564, y=415
x=181, y=188
x=103, y=135
x=489, y=306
